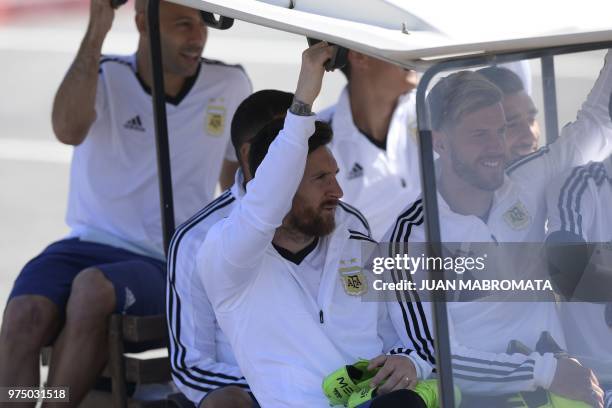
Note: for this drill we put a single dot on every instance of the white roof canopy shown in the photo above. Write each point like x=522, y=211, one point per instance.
x=417, y=33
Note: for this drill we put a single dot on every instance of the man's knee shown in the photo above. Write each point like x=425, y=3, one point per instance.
x=228, y=397
x=92, y=297
x=29, y=322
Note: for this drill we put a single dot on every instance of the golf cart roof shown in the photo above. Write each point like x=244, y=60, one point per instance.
x=418, y=34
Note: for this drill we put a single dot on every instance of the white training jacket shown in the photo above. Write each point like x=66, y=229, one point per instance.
x=481, y=330
x=201, y=357
x=285, y=340
x=579, y=203
x=588, y=138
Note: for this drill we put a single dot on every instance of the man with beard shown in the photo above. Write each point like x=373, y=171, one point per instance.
x=522, y=128
x=113, y=259
x=375, y=138
x=478, y=203
x=283, y=270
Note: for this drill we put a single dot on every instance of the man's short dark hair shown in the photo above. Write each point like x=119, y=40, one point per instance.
x=255, y=112
x=261, y=143
x=503, y=78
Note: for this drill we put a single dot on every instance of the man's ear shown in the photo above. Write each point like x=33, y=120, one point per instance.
x=440, y=141
x=243, y=151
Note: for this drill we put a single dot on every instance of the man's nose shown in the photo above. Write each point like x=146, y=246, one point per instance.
x=197, y=35
x=335, y=189
x=497, y=144
x=533, y=132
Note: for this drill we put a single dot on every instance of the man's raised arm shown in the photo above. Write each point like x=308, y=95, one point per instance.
x=235, y=246
x=74, y=104
x=588, y=138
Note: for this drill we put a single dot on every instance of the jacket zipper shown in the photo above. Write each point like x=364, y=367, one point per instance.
x=321, y=318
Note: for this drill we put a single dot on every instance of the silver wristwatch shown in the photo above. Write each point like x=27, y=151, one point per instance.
x=300, y=108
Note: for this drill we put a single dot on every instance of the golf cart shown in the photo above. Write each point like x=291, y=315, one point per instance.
x=431, y=38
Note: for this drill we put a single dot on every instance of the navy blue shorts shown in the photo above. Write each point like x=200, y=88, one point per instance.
x=139, y=281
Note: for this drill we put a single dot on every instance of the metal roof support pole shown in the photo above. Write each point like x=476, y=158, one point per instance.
x=549, y=90
x=434, y=246
x=161, y=125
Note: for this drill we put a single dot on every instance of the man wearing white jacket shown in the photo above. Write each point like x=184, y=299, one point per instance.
x=283, y=270
x=579, y=226
x=374, y=125
x=375, y=137
x=480, y=202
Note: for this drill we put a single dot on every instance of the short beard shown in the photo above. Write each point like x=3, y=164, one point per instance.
x=310, y=222
x=467, y=173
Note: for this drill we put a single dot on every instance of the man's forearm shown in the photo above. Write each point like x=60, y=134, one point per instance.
x=250, y=228
x=74, y=104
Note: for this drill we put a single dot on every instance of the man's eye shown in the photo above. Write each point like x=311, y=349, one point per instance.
x=512, y=125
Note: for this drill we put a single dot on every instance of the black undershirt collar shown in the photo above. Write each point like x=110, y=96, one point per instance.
x=297, y=257
x=174, y=100
x=381, y=145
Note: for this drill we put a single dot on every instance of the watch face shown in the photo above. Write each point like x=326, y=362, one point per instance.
x=608, y=314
